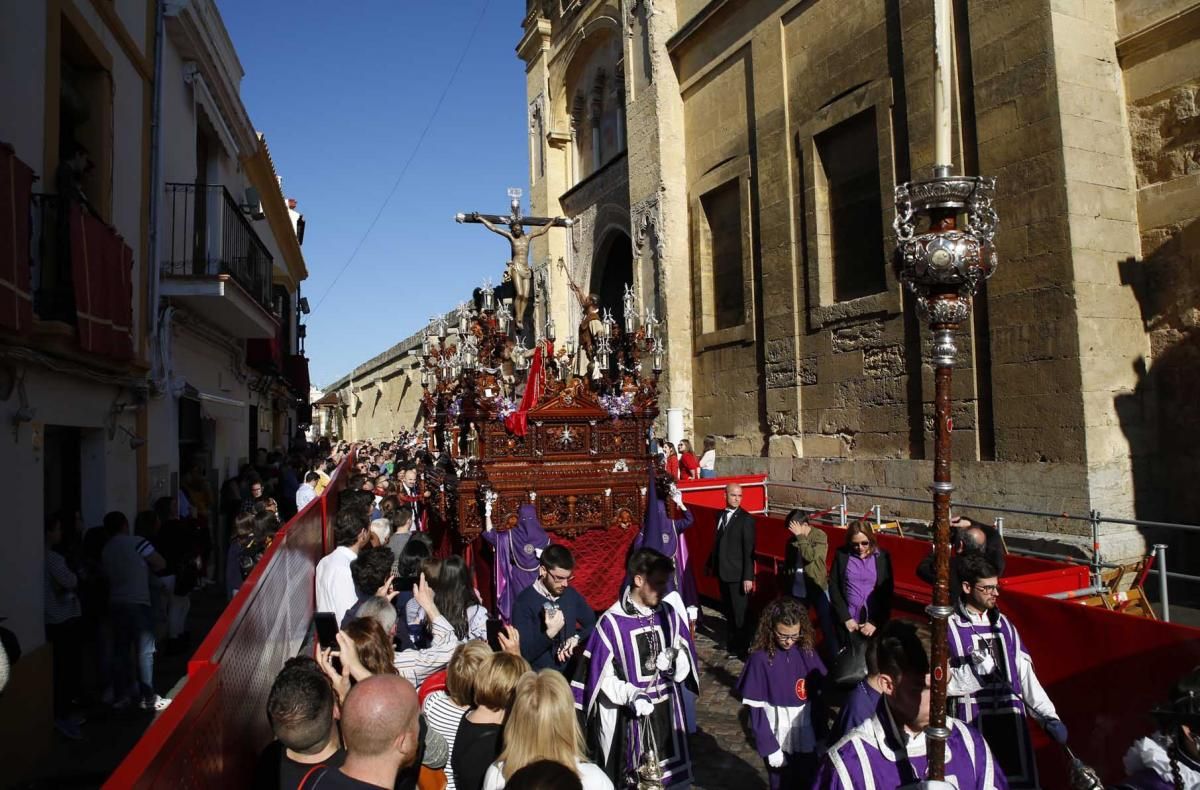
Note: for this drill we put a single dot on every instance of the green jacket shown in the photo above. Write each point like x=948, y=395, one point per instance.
x=808, y=552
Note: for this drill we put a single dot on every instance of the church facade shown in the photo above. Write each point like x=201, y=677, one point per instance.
x=733, y=161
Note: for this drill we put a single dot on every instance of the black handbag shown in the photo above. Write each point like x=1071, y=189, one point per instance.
x=850, y=664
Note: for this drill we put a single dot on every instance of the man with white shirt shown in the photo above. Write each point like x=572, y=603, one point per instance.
x=335, y=585
x=732, y=562
x=307, y=492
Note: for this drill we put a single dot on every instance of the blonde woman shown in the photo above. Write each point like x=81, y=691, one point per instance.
x=479, y=739
x=542, y=726
x=444, y=710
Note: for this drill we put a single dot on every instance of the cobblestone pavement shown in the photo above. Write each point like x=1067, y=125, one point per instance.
x=723, y=755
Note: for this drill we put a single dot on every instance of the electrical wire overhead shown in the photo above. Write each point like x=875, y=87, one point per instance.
x=411, y=156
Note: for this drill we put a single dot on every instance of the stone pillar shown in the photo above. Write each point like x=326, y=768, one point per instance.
x=1102, y=222
x=658, y=191
x=551, y=174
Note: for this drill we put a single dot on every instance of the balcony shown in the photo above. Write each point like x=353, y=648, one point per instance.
x=216, y=264
x=82, y=278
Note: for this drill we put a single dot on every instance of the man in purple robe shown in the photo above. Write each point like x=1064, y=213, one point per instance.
x=992, y=682
x=517, y=549
x=888, y=750
x=629, y=688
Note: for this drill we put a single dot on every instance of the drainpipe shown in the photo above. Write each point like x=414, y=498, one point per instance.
x=152, y=262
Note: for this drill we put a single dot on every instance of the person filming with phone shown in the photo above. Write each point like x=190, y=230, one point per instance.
x=552, y=618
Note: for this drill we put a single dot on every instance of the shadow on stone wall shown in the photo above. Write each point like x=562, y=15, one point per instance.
x=1160, y=418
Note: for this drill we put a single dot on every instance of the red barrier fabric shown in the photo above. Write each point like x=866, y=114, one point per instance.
x=600, y=563
x=182, y=748
x=16, y=187
x=1058, y=580
x=710, y=492
x=212, y=732
x=1104, y=671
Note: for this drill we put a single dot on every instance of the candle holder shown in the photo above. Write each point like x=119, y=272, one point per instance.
x=488, y=297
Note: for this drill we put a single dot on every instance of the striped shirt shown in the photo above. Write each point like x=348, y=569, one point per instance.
x=443, y=717
x=416, y=665
x=61, y=601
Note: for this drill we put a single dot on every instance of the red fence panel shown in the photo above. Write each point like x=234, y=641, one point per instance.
x=710, y=492
x=1104, y=671
x=212, y=732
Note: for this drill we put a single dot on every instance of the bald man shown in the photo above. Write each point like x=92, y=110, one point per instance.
x=732, y=562
x=381, y=730
x=968, y=537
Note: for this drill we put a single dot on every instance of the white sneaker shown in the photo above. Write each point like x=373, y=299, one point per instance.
x=155, y=703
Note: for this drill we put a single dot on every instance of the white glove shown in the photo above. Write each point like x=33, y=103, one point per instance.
x=662, y=662
x=683, y=665
x=983, y=662
x=677, y=498
x=775, y=758
x=643, y=707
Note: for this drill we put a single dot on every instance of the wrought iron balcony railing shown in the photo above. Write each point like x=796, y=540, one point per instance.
x=209, y=235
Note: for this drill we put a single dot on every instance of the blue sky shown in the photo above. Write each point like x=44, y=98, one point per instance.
x=342, y=91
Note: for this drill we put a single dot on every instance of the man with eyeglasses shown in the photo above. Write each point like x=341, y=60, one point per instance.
x=992, y=682
x=551, y=616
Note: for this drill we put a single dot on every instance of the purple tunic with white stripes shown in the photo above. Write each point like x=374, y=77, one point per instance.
x=871, y=757
x=998, y=708
x=780, y=693
x=623, y=647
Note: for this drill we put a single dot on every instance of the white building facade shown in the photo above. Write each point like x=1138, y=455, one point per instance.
x=149, y=303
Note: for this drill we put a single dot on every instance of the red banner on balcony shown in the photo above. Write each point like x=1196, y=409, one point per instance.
x=101, y=272
x=296, y=370
x=264, y=353
x=16, y=187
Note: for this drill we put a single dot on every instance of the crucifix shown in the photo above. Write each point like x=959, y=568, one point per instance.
x=518, y=265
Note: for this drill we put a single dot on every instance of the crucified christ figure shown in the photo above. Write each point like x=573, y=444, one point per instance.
x=518, y=266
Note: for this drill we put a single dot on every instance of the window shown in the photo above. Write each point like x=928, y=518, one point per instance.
x=848, y=157
x=723, y=216
x=844, y=161
x=723, y=285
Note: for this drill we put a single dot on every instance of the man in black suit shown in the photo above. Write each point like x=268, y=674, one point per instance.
x=732, y=562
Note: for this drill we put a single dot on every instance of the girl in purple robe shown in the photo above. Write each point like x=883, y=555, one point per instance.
x=781, y=685
x=517, y=552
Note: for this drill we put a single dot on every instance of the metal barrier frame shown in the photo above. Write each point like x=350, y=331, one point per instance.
x=196, y=741
x=1094, y=518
